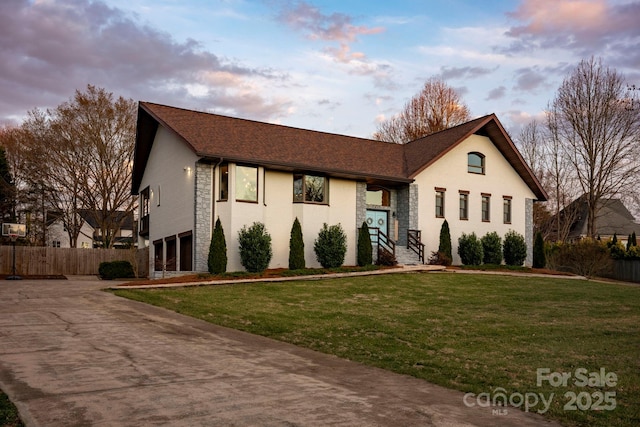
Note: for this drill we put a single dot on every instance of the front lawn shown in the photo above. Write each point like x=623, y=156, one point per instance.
x=472, y=332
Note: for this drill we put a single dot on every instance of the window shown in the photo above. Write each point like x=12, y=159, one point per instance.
x=246, y=183
x=223, y=192
x=475, y=163
x=464, y=205
x=439, y=203
x=55, y=243
x=506, y=203
x=378, y=196
x=186, y=251
x=143, y=228
x=158, y=255
x=309, y=189
x=171, y=253
x=486, y=205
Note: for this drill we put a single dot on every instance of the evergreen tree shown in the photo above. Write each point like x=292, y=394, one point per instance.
x=217, y=261
x=539, y=258
x=296, y=247
x=629, y=242
x=365, y=251
x=633, y=239
x=7, y=190
x=445, y=240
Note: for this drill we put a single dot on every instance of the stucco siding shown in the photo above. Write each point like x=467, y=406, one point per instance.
x=276, y=209
x=450, y=172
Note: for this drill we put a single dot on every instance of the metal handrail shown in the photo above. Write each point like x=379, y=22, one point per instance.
x=414, y=242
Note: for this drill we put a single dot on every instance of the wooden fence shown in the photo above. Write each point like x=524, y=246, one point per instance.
x=627, y=270
x=32, y=260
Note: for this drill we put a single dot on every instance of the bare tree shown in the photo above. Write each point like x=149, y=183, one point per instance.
x=436, y=107
x=78, y=159
x=596, y=133
x=96, y=134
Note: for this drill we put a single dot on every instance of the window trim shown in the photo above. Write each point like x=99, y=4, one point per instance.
x=506, y=203
x=440, y=195
x=303, y=177
x=223, y=171
x=235, y=190
x=463, y=195
x=486, y=200
x=474, y=168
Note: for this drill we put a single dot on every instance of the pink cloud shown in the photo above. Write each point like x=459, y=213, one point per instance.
x=582, y=24
x=318, y=26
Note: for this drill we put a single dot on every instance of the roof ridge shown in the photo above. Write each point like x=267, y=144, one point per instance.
x=296, y=128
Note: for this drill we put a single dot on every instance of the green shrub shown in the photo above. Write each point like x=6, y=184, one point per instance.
x=539, y=258
x=217, y=260
x=633, y=252
x=514, y=248
x=365, y=250
x=255, y=247
x=470, y=249
x=296, y=247
x=331, y=246
x=115, y=270
x=616, y=250
x=492, y=248
x=444, y=247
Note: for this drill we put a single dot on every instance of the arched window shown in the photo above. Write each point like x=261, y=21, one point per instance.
x=475, y=163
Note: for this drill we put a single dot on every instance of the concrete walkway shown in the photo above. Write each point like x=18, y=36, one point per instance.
x=73, y=355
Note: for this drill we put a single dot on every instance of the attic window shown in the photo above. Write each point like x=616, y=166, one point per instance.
x=475, y=162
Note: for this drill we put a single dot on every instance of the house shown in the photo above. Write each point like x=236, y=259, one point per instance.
x=191, y=168
x=89, y=236
x=612, y=218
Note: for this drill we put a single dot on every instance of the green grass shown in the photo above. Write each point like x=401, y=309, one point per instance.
x=473, y=333
x=9, y=416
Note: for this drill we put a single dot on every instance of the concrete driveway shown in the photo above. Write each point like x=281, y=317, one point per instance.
x=72, y=355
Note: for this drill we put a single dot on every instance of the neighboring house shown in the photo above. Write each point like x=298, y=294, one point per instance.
x=191, y=168
x=612, y=218
x=89, y=237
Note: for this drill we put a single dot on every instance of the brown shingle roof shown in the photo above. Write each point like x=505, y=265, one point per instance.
x=214, y=136
x=217, y=137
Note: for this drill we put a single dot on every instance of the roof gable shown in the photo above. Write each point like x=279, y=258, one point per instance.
x=217, y=137
x=423, y=152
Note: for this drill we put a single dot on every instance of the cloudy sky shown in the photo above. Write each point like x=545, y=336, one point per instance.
x=336, y=66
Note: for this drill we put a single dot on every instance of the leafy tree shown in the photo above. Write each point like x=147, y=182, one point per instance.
x=217, y=261
x=470, y=249
x=255, y=247
x=492, y=248
x=445, y=241
x=296, y=247
x=514, y=248
x=596, y=130
x=331, y=246
x=539, y=257
x=436, y=107
x=365, y=250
